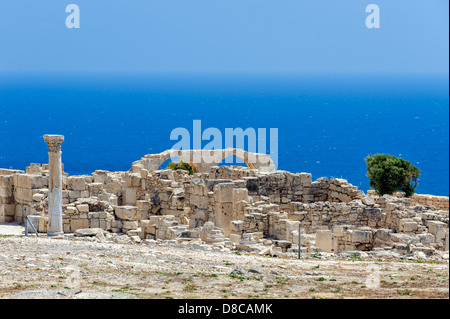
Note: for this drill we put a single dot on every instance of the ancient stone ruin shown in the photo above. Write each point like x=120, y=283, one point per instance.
x=255, y=209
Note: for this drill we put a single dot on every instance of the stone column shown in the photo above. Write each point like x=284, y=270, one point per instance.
x=55, y=185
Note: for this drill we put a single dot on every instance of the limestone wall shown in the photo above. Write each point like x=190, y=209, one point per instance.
x=438, y=202
x=7, y=200
x=358, y=225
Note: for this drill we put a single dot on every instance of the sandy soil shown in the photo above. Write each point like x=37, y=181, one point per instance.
x=32, y=267
x=12, y=229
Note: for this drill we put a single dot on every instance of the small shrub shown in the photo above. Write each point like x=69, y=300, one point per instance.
x=181, y=165
x=389, y=174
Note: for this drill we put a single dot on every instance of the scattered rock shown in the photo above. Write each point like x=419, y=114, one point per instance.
x=254, y=271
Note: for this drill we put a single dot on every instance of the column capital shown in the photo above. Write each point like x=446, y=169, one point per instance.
x=54, y=142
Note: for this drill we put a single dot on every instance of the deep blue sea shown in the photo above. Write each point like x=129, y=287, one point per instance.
x=327, y=124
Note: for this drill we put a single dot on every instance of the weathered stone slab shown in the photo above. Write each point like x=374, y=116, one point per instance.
x=79, y=224
x=126, y=212
x=324, y=240
x=83, y=232
x=361, y=236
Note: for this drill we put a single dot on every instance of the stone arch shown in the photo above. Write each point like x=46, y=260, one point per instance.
x=202, y=160
x=243, y=155
x=180, y=154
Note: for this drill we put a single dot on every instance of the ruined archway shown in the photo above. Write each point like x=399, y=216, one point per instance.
x=169, y=155
x=238, y=153
x=201, y=161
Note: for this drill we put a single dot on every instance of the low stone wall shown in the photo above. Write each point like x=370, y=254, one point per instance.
x=439, y=202
x=17, y=191
x=358, y=225
x=7, y=201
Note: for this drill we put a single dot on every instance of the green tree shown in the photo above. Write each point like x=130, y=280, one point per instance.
x=389, y=174
x=181, y=165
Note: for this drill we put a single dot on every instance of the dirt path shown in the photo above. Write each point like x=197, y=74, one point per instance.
x=33, y=267
x=12, y=229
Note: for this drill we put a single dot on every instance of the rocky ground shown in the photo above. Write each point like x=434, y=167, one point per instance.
x=87, y=267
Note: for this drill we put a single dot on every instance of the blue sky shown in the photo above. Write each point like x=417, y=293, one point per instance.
x=218, y=36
